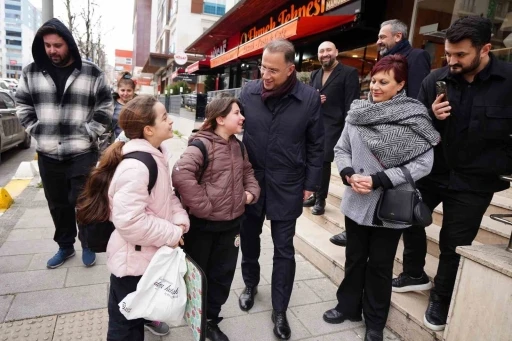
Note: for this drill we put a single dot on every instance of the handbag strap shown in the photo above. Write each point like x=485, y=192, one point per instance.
x=408, y=176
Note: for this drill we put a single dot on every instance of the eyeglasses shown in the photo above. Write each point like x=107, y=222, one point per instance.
x=127, y=76
x=273, y=72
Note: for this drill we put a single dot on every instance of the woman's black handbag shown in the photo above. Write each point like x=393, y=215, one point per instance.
x=404, y=206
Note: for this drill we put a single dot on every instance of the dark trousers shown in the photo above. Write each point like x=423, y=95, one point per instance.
x=462, y=215
x=119, y=328
x=326, y=178
x=283, y=270
x=63, y=181
x=368, y=273
x=216, y=253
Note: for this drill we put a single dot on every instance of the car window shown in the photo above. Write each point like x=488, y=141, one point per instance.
x=4, y=86
x=7, y=100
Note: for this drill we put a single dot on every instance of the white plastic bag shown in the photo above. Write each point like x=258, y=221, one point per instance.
x=161, y=293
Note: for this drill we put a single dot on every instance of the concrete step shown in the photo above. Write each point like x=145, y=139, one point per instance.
x=491, y=232
x=406, y=311
x=500, y=204
x=506, y=193
x=333, y=221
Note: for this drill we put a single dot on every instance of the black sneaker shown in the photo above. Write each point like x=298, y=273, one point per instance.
x=406, y=283
x=437, y=313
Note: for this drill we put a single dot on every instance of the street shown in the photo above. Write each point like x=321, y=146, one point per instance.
x=11, y=159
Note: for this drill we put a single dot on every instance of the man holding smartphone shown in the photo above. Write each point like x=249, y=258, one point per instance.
x=475, y=149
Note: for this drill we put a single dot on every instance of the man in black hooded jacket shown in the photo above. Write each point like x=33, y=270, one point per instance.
x=65, y=104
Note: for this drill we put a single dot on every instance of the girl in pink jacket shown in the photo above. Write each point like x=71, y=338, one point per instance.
x=118, y=190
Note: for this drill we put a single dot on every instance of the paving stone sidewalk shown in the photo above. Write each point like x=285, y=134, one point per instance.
x=69, y=303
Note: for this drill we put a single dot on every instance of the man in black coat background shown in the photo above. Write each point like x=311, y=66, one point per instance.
x=284, y=138
x=338, y=86
x=393, y=40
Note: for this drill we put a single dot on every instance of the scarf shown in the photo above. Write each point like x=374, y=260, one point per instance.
x=399, y=47
x=396, y=131
x=279, y=92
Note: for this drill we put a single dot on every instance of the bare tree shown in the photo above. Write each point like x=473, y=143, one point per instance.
x=87, y=32
x=71, y=17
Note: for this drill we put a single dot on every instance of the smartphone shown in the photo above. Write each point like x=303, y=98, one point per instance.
x=441, y=89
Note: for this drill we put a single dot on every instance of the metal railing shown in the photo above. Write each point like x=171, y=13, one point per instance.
x=231, y=92
x=501, y=217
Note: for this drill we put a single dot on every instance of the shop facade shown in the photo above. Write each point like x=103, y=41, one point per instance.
x=431, y=19
x=350, y=25
x=234, y=45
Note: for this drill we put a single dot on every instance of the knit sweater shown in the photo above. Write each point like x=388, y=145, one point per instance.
x=352, y=152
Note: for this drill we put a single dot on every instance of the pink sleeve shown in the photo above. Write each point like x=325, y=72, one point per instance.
x=129, y=213
x=179, y=215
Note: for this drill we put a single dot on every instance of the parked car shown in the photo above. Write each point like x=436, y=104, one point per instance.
x=12, y=133
x=190, y=100
x=11, y=83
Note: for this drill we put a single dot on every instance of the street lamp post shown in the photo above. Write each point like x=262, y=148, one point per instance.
x=47, y=10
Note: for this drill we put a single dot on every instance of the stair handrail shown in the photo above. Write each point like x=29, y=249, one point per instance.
x=501, y=217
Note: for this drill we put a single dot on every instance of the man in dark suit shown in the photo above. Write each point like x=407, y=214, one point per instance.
x=393, y=40
x=338, y=86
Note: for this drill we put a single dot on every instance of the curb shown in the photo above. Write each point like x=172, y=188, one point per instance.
x=27, y=170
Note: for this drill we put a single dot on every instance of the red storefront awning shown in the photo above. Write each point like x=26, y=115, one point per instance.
x=197, y=65
x=224, y=58
x=295, y=29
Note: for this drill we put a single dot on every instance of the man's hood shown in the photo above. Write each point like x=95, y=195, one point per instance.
x=39, y=53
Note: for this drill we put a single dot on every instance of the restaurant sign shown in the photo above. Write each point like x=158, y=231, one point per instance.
x=285, y=14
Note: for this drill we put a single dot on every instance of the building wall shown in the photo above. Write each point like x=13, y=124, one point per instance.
x=142, y=31
x=189, y=26
x=13, y=36
x=21, y=22
x=2, y=39
x=124, y=60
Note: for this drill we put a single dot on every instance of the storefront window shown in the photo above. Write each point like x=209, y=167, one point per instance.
x=433, y=17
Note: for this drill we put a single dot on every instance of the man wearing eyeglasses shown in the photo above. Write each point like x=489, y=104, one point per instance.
x=65, y=104
x=284, y=137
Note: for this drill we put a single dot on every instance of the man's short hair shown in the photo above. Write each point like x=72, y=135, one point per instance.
x=283, y=46
x=397, y=26
x=45, y=30
x=475, y=28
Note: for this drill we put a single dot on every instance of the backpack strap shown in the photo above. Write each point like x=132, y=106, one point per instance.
x=149, y=161
x=199, y=144
x=242, y=148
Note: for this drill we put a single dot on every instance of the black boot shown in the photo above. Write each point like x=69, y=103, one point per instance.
x=373, y=335
x=246, y=300
x=319, y=207
x=214, y=333
x=339, y=239
x=281, y=327
x=310, y=202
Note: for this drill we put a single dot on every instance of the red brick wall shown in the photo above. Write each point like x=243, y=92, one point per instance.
x=142, y=32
